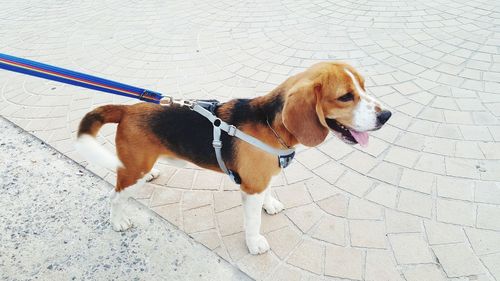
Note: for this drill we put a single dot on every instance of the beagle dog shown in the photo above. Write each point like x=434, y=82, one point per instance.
x=327, y=97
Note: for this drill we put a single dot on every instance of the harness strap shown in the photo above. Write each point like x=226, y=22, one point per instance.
x=217, y=144
x=285, y=156
x=235, y=132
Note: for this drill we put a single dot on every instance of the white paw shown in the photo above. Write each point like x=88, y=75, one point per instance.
x=153, y=174
x=273, y=206
x=120, y=221
x=257, y=245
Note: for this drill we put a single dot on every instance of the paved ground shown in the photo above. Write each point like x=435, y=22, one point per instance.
x=54, y=225
x=422, y=202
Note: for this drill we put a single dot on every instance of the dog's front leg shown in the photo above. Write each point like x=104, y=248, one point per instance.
x=252, y=205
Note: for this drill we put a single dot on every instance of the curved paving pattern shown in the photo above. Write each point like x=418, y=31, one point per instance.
x=422, y=202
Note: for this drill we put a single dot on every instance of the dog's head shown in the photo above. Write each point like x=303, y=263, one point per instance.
x=330, y=96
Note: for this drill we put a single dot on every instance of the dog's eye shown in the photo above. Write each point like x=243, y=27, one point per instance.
x=347, y=97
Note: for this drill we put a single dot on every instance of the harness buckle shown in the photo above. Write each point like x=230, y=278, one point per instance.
x=216, y=143
x=285, y=160
x=231, y=130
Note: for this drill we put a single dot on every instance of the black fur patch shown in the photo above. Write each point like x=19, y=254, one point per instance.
x=190, y=135
x=187, y=133
x=249, y=110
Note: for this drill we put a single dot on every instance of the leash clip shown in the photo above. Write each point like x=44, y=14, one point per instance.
x=167, y=101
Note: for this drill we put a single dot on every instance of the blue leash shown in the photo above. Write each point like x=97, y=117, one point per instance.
x=76, y=78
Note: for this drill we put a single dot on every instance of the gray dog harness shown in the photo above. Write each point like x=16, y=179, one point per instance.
x=206, y=108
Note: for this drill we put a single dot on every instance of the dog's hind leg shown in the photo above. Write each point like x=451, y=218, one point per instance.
x=137, y=162
x=119, y=216
x=153, y=174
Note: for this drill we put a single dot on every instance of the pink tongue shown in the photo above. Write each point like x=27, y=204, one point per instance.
x=360, y=137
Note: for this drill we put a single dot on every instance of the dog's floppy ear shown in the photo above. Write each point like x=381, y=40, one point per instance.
x=302, y=112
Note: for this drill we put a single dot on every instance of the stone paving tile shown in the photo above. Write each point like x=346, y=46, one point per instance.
x=384, y=194
x=488, y=216
x=386, y=172
x=172, y=213
x=331, y=229
x=440, y=233
x=353, y=160
x=380, y=266
x=410, y=248
x=305, y=216
x=182, y=179
x=448, y=131
x=344, y=262
x=458, y=260
x=415, y=203
x=491, y=262
x=490, y=170
x=418, y=181
x=402, y=156
x=353, y=183
x=455, y=188
x=359, y=238
x=335, y=149
x=196, y=199
x=283, y=241
x=360, y=209
x=259, y=266
x=199, y=219
x=210, y=239
x=454, y=211
x=428, y=272
x=398, y=222
x=236, y=247
x=330, y=171
x=273, y=222
x=320, y=189
x=294, y=195
x=312, y=158
x=286, y=273
x=430, y=172
x=230, y=221
x=431, y=163
x=335, y=205
x=309, y=255
x=296, y=173
x=164, y=196
x=483, y=242
x=440, y=146
x=226, y=200
x=464, y=168
x=469, y=150
x=490, y=150
x=376, y=147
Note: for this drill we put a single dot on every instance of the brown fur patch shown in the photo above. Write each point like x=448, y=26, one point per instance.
x=93, y=121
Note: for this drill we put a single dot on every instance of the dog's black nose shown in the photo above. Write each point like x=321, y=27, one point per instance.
x=383, y=116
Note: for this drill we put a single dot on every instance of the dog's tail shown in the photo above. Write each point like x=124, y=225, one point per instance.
x=86, y=143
